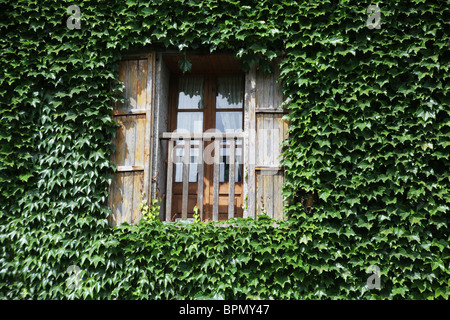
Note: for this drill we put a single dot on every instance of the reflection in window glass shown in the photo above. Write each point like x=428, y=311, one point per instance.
x=230, y=92
x=190, y=93
x=224, y=166
x=230, y=121
x=193, y=165
x=190, y=121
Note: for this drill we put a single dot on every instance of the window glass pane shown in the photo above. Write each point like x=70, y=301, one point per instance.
x=230, y=92
x=193, y=123
x=193, y=165
x=224, y=166
x=230, y=121
x=190, y=121
x=190, y=93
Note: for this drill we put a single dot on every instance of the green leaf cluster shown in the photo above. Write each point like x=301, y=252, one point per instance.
x=369, y=134
x=369, y=120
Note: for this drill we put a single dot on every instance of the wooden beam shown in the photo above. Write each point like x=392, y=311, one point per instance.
x=185, y=195
x=269, y=110
x=231, y=179
x=169, y=180
x=129, y=112
x=129, y=168
x=149, y=102
x=216, y=180
x=199, y=136
x=268, y=168
x=250, y=145
x=200, y=180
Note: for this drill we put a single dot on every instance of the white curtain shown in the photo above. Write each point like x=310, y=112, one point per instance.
x=229, y=92
x=191, y=122
x=229, y=95
x=190, y=93
x=229, y=121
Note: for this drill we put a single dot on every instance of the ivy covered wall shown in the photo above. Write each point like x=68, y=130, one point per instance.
x=369, y=134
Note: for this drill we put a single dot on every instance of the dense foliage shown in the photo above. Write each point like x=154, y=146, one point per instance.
x=369, y=133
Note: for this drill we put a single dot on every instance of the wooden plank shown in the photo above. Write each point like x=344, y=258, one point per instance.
x=200, y=179
x=285, y=129
x=276, y=139
x=116, y=189
x=130, y=140
x=277, y=196
x=137, y=195
x=273, y=91
x=120, y=142
x=169, y=180
x=231, y=179
x=265, y=92
x=267, y=168
x=139, y=158
x=132, y=84
x=270, y=110
x=268, y=193
x=160, y=111
x=268, y=85
x=186, y=164
x=129, y=168
x=250, y=145
x=110, y=201
x=114, y=202
x=208, y=159
x=259, y=157
x=259, y=193
x=129, y=112
x=139, y=140
x=260, y=96
x=216, y=180
x=127, y=91
x=268, y=137
x=273, y=152
x=260, y=141
x=278, y=203
x=147, y=74
x=142, y=72
x=127, y=197
x=120, y=189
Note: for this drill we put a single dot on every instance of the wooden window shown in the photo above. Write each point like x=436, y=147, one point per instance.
x=205, y=102
x=183, y=167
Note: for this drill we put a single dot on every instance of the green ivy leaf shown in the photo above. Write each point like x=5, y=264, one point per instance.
x=185, y=64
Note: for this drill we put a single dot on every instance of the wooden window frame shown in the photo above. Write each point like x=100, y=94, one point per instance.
x=261, y=109
x=209, y=122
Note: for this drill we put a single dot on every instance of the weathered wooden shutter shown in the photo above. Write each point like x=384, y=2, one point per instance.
x=131, y=182
x=271, y=130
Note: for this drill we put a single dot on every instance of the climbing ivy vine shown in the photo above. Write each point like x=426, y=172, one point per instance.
x=369, y=137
